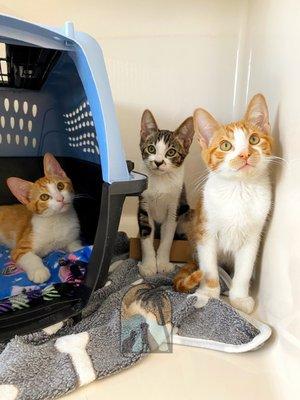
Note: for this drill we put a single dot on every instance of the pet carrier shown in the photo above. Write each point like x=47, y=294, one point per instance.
x=55, y=97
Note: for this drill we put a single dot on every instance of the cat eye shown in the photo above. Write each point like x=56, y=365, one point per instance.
x=171, y=153
x=225, y=145
x=254, y=139
x=151, y=149
x=44, y=197
x=60, y=186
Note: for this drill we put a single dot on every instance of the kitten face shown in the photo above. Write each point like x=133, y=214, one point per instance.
x=239, y=149
x=163, y=151
x=49, y=195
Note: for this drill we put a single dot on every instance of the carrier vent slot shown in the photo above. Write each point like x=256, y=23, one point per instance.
x=25, y=67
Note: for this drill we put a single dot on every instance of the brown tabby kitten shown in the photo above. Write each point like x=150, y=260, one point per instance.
x=164, y=201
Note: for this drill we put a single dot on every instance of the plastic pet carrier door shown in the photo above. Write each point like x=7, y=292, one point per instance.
x=55, y=97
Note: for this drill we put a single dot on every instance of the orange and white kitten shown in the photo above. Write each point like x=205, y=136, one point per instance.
x=45, y=221
x=236, y=200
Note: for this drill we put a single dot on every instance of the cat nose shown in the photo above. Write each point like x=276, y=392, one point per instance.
x=60, y=199
x=244, y=155
x=158, y=163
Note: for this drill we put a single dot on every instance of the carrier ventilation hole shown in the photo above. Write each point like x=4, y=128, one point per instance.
x=12, y=122
x=34, y=110
x=8, y=138
x=25, y=107
x=30, y=125
x=17, y=138
x=25, y=140
x=6, y=104
x=16, y=105
x=34, y=142
x=21, y=123
x=2, y=120
x=0, y=138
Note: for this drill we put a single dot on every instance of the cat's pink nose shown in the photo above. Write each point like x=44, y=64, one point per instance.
x=244, y=155
x=60, y=199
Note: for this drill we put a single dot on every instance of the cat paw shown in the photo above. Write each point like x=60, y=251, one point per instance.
x=209, y=291
x=39, y=275
x=245, y=304
x=74, y=246
x=164, y=266
x=148, y=268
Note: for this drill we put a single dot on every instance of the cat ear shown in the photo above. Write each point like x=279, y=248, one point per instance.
x=205, y=126
x=185, y=132
x=148, y=124
x=257, y=113
x=52, y=167
x=20, y=189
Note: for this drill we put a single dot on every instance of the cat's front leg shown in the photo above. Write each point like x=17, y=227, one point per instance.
x=74, y=246
x=167, y=232
x=146, y=229
x=208, y=262
x=243, y=269
x=34, y=267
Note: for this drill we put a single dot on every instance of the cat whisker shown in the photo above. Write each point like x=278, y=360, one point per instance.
x=83, y=196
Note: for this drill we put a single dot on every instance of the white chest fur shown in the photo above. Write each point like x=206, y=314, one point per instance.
x=55, y=232
x=236, y=209
x=163, y=192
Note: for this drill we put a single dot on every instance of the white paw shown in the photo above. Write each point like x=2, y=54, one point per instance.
x=209, y=292
x=39, y=274
x=164, y=266
x=148, y=267
x=245, y=304
x=74, y=246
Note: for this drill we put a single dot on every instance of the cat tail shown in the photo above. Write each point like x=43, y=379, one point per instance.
x=188, y=277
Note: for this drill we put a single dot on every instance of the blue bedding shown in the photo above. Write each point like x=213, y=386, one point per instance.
x=16, y=290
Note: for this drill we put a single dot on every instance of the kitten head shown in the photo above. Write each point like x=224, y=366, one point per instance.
x=239, y=149
x=49, y=195
x=163, y=151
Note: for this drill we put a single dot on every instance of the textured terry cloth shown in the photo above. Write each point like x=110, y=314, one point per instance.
x=55, y=361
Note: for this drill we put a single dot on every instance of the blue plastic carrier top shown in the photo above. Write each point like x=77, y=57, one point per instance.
x=76, y=118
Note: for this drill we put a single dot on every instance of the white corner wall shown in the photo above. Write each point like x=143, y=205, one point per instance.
x=172, y=56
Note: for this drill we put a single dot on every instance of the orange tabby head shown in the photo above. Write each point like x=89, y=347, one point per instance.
x=240, y=148
x=49, y=195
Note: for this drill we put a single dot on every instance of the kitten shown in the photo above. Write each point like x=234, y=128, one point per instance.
x=236, y=200
x=162, y=203
x=45, y=221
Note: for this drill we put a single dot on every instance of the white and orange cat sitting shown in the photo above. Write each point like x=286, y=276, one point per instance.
x=45, y=221
x=236, y=199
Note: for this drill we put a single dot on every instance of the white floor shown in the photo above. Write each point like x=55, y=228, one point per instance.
x=190, y=373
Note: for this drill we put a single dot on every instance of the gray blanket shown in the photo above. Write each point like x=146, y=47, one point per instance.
x=125, y=320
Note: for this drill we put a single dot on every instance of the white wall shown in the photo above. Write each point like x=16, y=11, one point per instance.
x=273, y=42
x=173, y=56
x=170, y=56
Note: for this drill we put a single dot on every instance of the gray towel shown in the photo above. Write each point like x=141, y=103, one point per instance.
x=111, y=335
